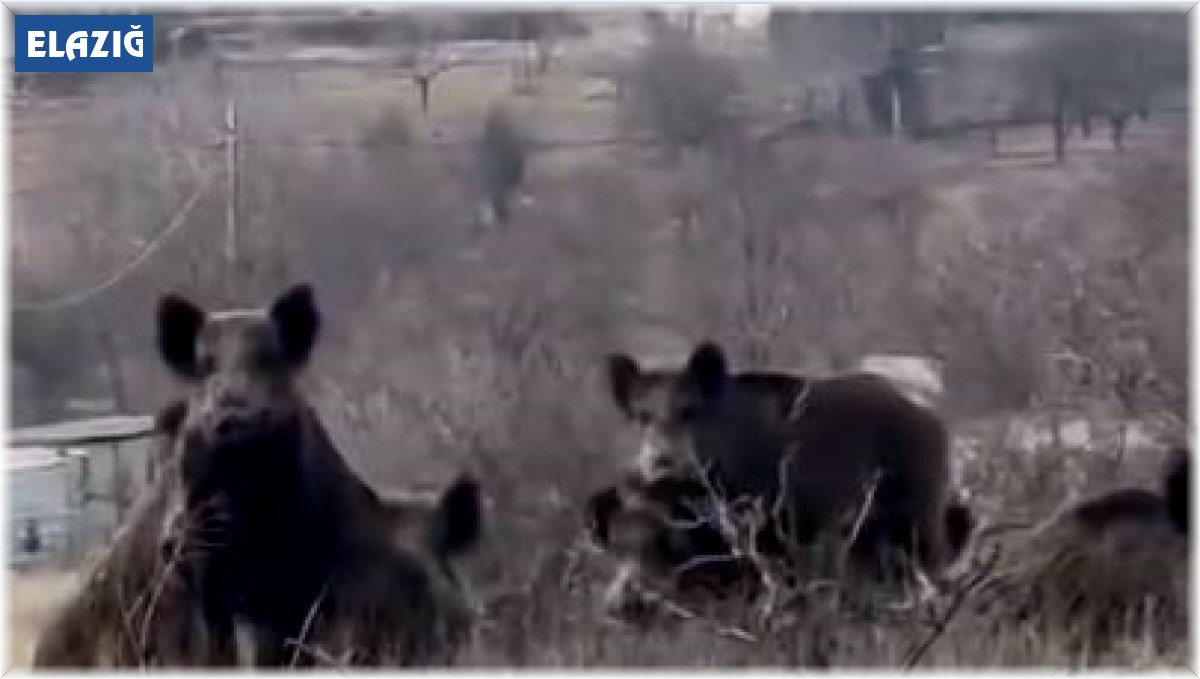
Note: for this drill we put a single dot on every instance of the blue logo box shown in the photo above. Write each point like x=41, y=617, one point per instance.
x=84, y=43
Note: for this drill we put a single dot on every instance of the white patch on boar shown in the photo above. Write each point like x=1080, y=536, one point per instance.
x=920, y=378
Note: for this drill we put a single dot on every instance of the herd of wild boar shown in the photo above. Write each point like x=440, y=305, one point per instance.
x=258, y=545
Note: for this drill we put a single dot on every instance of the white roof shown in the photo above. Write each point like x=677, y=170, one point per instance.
x=39, y=457
x=84, y=432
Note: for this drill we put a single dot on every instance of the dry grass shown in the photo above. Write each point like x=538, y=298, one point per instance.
x=453, y=345
x=34, y=598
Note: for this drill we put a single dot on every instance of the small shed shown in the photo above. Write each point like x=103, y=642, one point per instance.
x=70, y=484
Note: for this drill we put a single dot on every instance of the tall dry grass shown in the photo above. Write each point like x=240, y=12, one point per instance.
x=458, y=344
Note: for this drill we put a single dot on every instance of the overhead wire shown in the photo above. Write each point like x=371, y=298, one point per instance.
x=118, y=274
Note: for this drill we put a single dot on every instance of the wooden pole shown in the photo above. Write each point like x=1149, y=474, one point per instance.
x=119, y=486
x=231, y=186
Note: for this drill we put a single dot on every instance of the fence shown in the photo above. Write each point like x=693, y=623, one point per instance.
x=70, y=484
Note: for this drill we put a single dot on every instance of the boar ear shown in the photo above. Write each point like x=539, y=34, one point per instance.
x=298, y=323
x=179, y=323
x=960, y=523
x=1177, y=489
x=623, y=373
x=456, y=521
x=708, y=371
x=600, y=508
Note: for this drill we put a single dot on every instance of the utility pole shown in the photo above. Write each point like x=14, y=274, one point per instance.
x=897, y=121
x=892, y=40
x=231, y=186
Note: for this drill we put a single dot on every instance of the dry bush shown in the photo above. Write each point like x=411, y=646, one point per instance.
x=680, y=93
x=1102, y=64
x=797, y=236
x=1131, y=579
x=452, y=347
x=1108, y=62
x=1098, y=284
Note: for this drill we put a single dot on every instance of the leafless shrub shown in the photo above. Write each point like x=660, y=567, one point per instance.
x=51, y=354
x=1107, y=65
x=455, y=348
x=1090, y=591
x=1102, y=287
x=681, y=93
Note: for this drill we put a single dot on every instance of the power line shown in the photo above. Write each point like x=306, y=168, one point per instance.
x=117, y=275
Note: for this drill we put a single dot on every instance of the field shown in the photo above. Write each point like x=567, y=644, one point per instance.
x=1047, y=290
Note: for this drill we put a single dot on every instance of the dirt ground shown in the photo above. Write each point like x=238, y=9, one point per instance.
x=33, y=598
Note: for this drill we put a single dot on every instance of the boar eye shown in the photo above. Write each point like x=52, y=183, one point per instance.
x=643, y=417
x=266, y=358
x=688, y=413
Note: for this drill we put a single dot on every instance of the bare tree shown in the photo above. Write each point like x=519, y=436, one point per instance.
x=1104, y=64
x=680, y=93
x=427, y=64
x=850, y=45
